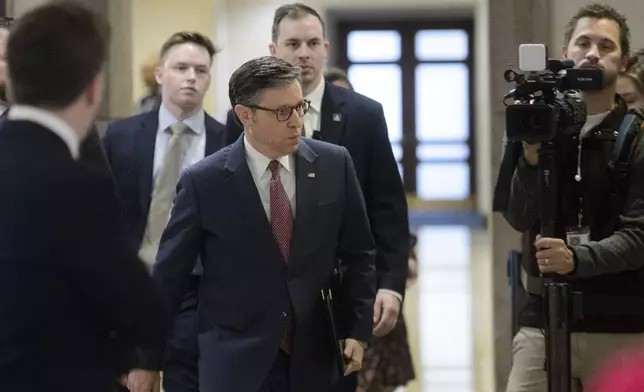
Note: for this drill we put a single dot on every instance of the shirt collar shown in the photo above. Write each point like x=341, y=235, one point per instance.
x=196, y=122
x=315, y=97
x=50, y=121
x=258, y=162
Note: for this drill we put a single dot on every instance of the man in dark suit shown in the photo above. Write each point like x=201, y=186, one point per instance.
x=269, y=216
x=69, y=282
x=147, y=152
x=346, y=118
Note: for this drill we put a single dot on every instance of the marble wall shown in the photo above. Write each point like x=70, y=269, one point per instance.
x=511, y=24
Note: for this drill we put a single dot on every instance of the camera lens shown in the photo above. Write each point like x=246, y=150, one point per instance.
x=536, y=121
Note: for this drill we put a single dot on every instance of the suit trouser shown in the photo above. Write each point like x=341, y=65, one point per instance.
x=588, y=352
x=347, y=383
x=278, y=379
x=180, y=367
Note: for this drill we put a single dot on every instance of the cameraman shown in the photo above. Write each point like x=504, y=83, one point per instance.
x=607, y=259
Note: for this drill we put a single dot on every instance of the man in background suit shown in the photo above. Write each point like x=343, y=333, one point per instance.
x=147, y=152
x=344, y=117
x=69, y=282
x=269, y=217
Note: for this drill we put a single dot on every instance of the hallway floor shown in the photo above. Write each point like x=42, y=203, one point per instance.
x=449, y=311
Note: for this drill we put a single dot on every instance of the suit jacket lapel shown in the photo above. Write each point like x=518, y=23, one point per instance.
x=246, y=198
x=333, y=118
x=144, y=150
x=305, y=229
x=213, y=137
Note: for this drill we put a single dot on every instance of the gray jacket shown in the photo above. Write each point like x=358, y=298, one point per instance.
x=619, y=252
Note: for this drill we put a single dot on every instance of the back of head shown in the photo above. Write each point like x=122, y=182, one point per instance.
x=147, y=72
x=635, y=66
x=54, y=53
x=338, y=77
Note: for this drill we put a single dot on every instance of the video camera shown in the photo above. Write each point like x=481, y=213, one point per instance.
x=548, y=92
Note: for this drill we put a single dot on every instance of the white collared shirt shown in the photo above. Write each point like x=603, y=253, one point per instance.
x=258, y=165
x=197, y=140
x=312, y=119
x=50, y=121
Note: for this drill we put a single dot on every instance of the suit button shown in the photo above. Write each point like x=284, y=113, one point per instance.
x=284, y=314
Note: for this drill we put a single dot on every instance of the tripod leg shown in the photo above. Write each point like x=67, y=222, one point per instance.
x=558, y=309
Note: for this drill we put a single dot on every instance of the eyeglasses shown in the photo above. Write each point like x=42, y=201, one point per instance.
x=285, y=112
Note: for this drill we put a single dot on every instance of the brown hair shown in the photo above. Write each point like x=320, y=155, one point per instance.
x=54, y=52
x=635, y=69
x=254, y=76
x=147, y=72
x=601, y=11
x=185, y=37
x=336, y=74
x=293, y=11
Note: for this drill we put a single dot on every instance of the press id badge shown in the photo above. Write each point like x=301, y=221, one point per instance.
x=578, y=236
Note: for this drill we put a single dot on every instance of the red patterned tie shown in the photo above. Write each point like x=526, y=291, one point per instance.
x=282, y=226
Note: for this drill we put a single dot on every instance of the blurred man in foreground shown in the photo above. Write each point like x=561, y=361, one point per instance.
x=74, y=298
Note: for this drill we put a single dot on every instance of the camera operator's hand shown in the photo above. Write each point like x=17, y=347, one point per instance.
x=553, y=256
x=531, y=153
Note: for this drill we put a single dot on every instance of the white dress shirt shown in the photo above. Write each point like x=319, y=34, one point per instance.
x=313, y=119
x=258, y=165
x=196, y=134
x=196, y=151
x=50, y=121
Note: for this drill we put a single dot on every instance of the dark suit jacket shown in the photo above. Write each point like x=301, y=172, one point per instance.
x=247, y=291
x=129, y=145
x=91, y=149
x=358, y=123
x=92, y=153
x=68, y=281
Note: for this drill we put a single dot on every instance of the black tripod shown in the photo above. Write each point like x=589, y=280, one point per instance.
x=558, y=294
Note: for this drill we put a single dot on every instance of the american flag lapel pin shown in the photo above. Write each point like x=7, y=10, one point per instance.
x=311, y=175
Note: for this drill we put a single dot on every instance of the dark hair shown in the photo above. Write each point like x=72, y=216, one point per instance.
x=185, y=37
x=54, y=52
x=636, y=62
x=601, y=11
x=6, y=22
x=635, y=67
x=248, y=81
x=293, y=11
x=336, y=74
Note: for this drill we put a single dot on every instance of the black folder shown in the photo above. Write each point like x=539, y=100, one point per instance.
x=332, y=326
